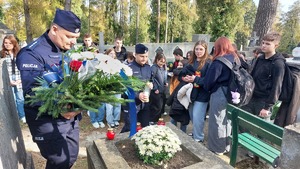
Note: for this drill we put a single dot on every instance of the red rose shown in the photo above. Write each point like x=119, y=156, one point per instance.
x=75, y=65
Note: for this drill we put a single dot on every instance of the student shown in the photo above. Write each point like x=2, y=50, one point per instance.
x=267, y=74
x=120, y=49
x=129, y=59
x=159, y=86
x=88, y=44
x=216, y=82
x=178, y=55
x=200, y=62
x=10, y=49
x=57, y=138
x=174, y=79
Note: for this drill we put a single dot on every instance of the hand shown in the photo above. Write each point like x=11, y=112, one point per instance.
x=264, y=113
x=156, y=92
x=71, y=114
x=167, y=84
x=143, y=97
x=13, y=83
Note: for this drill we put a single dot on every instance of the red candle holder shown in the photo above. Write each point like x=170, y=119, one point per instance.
x=138, y=126
x=110, y=134
x=161, y=122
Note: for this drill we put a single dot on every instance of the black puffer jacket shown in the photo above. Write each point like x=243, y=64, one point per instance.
x=178, y=111
x=268, y=76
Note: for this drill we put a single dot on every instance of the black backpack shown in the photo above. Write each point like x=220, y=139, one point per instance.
x=240, y=81
x=287, y=89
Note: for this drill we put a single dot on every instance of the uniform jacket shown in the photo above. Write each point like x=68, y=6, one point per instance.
x=141, y=72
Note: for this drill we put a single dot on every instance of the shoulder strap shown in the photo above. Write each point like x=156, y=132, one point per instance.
x=225, y=61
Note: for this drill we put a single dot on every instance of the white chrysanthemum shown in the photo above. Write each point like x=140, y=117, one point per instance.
x=156, y=139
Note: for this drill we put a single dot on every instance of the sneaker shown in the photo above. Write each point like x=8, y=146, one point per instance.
x=190, y=134
x=250, y=154
x=117, y=124
x=199, y=141
x=102, y=125
x=165, y=113
x=23, y=119
x=111, y=125
x=95, y=125
x=88, y=113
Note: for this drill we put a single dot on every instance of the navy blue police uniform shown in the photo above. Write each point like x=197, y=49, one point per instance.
x=57, y=139
x=143, y=72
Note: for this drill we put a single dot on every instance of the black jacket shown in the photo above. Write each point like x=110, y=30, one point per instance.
x=121, y=56
x=268, y=76
x=178, y=111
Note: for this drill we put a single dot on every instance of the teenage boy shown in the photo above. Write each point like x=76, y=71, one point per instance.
x=120, y=49
x=267, y=73
x=88, y=44
x=178, y=55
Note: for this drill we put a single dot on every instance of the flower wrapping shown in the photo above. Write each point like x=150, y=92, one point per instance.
x=83, y=80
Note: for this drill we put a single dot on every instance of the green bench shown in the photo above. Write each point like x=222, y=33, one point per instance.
x=263, y=140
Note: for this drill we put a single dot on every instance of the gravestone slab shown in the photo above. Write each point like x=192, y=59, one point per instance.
x=198, y=37
x=104, y=153
x=290, y=157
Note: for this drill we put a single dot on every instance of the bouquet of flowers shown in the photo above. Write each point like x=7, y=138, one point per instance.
x=83, y=81
x=156, y=144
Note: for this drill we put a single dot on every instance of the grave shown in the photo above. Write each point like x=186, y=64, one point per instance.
x=103, y=153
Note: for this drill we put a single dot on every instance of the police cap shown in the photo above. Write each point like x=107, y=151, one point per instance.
x=67, y=20
x=140, y=49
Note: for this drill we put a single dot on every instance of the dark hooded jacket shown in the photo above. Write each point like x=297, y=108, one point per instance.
x=268, y=76
x=121, y=56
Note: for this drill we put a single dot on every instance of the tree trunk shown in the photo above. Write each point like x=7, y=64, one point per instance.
x=68, y=5
x=137, y=24
x=27, y=22
x=158, y=21
x=265, y=17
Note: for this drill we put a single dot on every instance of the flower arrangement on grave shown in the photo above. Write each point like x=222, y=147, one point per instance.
x=83, y=80
x=156, y=144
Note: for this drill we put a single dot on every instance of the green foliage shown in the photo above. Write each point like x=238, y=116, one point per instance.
x=248, y=10
x=290, y=28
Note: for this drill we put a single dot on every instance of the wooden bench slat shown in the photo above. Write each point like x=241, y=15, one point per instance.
x=260, y=146
x=258, y=141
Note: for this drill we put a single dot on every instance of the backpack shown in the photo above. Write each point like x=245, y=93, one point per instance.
x=240, y=82
x=287, y=88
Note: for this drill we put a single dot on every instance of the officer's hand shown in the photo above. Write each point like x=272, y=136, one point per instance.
x=69, y=115
x=143, y=97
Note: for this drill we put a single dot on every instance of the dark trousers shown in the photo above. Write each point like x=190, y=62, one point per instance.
x=143, y=115
x=156, y=103
x=57, y=139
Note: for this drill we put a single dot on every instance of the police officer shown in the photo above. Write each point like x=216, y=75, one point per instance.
x=57, y=139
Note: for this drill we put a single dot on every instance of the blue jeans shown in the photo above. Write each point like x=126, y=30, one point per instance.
x=197, y=111
x=113, y=112
x=99, y=116
x=182, y=127
x=19, y=98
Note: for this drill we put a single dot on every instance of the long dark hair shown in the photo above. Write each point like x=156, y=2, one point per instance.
x=14, y=41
